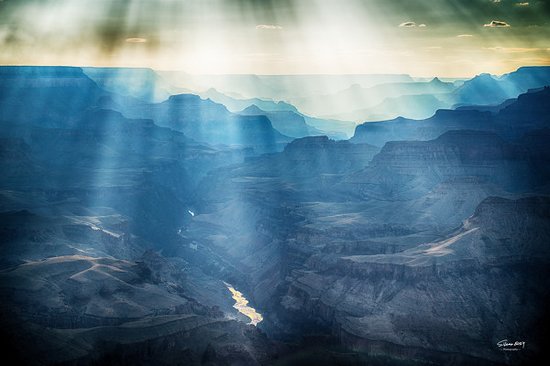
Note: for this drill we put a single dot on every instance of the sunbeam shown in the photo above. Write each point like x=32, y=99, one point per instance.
x=373, y=176
x=288, y=37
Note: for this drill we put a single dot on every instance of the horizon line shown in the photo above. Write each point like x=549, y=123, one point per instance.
x=266, y=74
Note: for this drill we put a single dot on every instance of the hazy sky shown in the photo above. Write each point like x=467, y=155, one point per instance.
x=419, y=37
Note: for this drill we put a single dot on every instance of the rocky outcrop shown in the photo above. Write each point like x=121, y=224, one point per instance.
x=409, y=169
x=169, y=339
x=458, y=296
x=209, y=122
x=289, y=123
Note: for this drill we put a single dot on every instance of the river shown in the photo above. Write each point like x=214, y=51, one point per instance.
x=241, y=304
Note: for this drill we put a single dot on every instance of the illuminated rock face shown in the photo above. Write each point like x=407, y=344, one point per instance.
x=241, y=304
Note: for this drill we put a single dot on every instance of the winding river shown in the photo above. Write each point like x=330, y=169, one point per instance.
x=241, y=304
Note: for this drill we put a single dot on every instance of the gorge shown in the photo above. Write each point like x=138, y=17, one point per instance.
x=178, y=232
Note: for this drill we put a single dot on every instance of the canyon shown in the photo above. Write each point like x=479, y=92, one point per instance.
x=175, y=231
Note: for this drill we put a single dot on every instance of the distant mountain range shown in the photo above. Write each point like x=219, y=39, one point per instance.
x=237, y=105
x=67, y=93
x=330, y=127
x=206, y=121
x=356, y=97
x=277, y=87
x=413, y=106
x=362, y=98
x=531, y=109
x=421, y=99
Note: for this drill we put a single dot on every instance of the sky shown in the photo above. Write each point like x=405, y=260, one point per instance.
x=447, y=38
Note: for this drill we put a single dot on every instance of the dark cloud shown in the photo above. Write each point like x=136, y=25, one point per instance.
x=461, y=14
x=497, y=24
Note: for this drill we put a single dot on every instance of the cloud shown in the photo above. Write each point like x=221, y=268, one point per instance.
x=465, y=35
x=497, y=24
x=136, y=40
x=407, y=25
x=514, y=49
x=522, y=4
x=269, y=26
x=412, y=25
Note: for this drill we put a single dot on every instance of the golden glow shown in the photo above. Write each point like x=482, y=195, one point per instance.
x=241, y=304
x=421, y=38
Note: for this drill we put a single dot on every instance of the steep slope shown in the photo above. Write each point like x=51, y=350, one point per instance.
x=279, y=111
x=84, y=195
x=236, y=105
x=67, y=93
x=457, y=297
x=490, y=90
x=411, y=168
x=485, y=89
x=309, y=163
x=287, y=122
x=399, y=129
x=134, y=166
x=326, y=250
x=206, y=121
x=101, y=310
x=529, y=77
